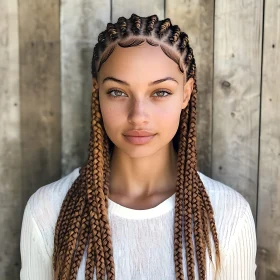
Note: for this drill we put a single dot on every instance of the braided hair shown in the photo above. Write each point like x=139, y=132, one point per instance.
x=82, y=223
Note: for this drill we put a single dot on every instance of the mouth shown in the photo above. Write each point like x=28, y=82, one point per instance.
x=139, y=140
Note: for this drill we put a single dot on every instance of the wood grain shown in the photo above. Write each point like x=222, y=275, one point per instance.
x=81, y=22
x=10, y=142
x=268, y=225
x=40, y=108
x=236, y=99
x=141, y=8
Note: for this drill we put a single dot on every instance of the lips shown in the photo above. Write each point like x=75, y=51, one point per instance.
x=139, y=139
x=139, y=133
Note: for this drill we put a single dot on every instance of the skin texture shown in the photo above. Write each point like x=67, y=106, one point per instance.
x=142, y=176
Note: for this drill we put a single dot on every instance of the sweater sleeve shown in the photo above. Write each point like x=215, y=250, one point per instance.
x=240, y=262
x=35, y=261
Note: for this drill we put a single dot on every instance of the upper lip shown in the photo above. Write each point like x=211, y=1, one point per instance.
x=138, y=133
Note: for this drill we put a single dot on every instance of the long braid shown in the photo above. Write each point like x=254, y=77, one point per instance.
x=67, y=240
x=83, y=219
x=72, y=235
x=61, y=218
x=100, y=197
x=188, y=194
x=180, y=200
x=95, y=191
x=192, y=163
x=81, y=245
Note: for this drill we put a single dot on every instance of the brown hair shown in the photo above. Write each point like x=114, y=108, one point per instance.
x=83, y=218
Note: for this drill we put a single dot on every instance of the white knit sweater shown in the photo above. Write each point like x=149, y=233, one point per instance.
x=142, y=239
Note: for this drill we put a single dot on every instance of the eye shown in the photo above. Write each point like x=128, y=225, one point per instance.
x=116, y=91
x=163, y=91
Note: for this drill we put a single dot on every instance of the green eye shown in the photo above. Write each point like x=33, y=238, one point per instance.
x=163, y=91
x=115, y=90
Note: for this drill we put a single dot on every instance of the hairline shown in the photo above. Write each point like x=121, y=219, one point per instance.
x=161, y=43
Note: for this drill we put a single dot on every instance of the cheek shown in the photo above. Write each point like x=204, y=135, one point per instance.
x=169, y=119
x=113, y=117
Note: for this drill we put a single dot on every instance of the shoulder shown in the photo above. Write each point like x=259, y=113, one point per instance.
x=52, y=194
x=224, y=198
x=232, y=212
x=44, y=206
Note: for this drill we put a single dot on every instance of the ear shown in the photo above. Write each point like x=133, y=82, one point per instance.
x=188, y=88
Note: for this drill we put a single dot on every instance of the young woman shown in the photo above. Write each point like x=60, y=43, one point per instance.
x=139, y=208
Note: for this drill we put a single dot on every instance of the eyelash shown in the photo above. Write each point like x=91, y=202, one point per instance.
x=116, y=90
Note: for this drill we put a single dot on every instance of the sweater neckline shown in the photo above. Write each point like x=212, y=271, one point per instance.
x=135, y=214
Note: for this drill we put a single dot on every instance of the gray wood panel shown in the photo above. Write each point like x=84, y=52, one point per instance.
x=40, y=110
x=236, y=99
x=196, y=19
x=81, y=22
x=141, y=8
x=268, y=220
x=10, y=152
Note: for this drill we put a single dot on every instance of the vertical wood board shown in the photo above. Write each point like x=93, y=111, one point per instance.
x=268, y=220
x=236, y=99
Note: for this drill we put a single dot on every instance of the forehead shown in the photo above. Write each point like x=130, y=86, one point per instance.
x=142, y=62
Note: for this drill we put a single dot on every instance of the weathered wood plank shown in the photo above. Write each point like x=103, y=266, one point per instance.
x=268, y=219
x=81, y=22
x=141, y=8
x=196, y=19
x=236, y=100
x=10, y=153
x=39, y=45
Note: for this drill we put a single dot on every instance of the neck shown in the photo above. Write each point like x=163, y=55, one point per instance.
x=143, y=176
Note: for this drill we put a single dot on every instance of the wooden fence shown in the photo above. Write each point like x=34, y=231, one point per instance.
x=45, y=92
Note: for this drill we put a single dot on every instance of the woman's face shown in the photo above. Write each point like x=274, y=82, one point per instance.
x=141, y=103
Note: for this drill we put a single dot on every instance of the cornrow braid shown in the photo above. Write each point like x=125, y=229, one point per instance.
x=83, y=225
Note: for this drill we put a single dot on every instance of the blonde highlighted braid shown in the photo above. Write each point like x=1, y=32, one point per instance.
x=83, y=219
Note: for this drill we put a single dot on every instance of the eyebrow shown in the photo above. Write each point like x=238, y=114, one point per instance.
x=150, y=84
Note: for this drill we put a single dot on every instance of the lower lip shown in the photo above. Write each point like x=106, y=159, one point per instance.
x=138, y=139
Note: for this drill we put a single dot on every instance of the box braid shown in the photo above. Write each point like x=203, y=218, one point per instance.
x=83, y=223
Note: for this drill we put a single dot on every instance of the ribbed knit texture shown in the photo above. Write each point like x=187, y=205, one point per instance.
x=142, y=239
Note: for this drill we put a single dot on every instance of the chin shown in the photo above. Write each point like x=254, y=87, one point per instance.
x=134, y=153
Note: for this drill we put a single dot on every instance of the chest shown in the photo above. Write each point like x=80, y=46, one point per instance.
x=144, y=250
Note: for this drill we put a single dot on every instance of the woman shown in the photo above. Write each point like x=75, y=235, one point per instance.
x=139, y=208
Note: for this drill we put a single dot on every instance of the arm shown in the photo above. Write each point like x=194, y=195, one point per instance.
x=35, y=261
x=240, y=262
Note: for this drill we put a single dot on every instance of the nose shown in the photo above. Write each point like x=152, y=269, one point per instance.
x=137, y=114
